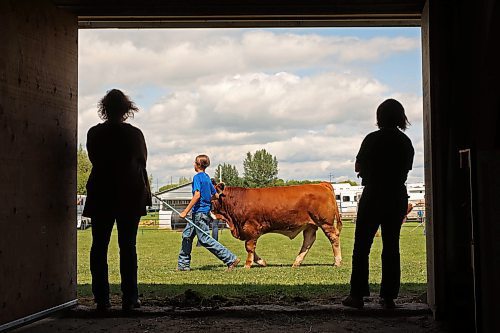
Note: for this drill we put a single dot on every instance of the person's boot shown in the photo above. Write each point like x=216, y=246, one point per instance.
x=387, y=303
x=129, y=306
x=103, y=307
x=353, y=302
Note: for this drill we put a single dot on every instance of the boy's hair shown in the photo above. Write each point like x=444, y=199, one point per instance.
x=202, y=161
x=391, y=114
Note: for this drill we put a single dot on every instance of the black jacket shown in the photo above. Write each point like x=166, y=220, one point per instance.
x=118, y=184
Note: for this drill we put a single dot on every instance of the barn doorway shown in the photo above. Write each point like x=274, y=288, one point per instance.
x=446, y=132
x=254, y=89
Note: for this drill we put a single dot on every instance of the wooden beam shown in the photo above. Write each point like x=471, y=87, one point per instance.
x=250, y=13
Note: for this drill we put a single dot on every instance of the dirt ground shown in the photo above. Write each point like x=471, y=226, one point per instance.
x=288, y=317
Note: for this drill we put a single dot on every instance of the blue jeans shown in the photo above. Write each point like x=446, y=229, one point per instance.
x=201, y=220
x=215, y=231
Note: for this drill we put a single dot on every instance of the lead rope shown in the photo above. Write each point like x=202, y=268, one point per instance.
x=187, y=219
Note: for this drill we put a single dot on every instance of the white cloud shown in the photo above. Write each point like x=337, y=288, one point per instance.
x=181, y=57
x=224, y=93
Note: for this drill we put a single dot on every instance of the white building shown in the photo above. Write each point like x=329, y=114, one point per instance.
x=178, y=197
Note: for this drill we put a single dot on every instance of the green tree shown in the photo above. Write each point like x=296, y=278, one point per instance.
x=230, y=175
x=150, y=180
x=83, y=168
x=166, y=187
x=301, y=182
x=352, y=182
x=260, y=169
x=184, y=180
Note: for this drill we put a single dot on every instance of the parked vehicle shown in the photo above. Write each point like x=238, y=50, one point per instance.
x=82, y=222
x=347, y=197
x=153, y=209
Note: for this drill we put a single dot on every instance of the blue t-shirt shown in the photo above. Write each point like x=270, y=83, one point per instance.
x=203, y=184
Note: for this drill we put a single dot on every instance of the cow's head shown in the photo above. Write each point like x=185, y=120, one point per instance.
x=219, y=208
x=217, y=198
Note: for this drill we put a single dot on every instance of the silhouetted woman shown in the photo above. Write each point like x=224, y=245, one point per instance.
x=117, y=190
x=383, y=162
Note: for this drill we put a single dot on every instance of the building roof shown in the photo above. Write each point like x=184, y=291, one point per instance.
x=181, y=192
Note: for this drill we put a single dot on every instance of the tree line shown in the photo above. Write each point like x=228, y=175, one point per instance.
x=260, y=169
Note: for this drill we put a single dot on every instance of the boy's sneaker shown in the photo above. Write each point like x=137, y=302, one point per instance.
x=183, y=269
x=232, y=265
x=387, y=303
x=353, y=302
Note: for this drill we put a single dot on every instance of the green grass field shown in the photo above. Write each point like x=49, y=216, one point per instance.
x=316, y=278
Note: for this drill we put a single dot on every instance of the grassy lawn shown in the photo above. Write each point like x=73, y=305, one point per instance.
x=316, y=278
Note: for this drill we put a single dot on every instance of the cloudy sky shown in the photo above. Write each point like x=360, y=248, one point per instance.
x=308, y=96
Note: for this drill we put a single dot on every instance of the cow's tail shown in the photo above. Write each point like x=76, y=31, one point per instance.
x=337, y=216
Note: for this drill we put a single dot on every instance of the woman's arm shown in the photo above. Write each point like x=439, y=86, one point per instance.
x=91, y=146
x=142, y=150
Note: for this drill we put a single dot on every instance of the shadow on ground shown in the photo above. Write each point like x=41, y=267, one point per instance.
x=225, y=295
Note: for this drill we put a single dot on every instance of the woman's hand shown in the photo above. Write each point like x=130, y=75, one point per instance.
x=183, y=214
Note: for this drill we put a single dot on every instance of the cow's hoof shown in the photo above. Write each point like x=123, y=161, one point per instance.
x=248, y=266
x=295, y=265
x=261, y=263
x=338, y=262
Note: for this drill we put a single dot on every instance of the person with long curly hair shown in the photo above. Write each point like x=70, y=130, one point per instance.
x=117, y=190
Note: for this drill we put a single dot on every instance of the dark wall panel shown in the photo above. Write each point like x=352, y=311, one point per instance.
x=38, y=126
x=462, y=108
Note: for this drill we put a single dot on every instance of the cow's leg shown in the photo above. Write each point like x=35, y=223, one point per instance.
x=333, y=235
x=258, y=260
x=309, y=238
x=250, y=247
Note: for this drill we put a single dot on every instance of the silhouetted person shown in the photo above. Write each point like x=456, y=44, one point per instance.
x=117, y=190
x=383, y=162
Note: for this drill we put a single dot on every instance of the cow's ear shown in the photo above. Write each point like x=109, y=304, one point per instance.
x=220, y=187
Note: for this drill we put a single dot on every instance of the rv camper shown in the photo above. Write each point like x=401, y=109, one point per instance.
x=347, y=197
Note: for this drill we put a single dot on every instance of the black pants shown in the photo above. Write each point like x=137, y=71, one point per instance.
x=101, y=234
x=384, y=208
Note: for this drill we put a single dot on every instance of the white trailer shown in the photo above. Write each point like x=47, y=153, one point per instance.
x=82, y=223
x=347, y=197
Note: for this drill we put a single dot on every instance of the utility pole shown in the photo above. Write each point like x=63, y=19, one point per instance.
x=330, y=175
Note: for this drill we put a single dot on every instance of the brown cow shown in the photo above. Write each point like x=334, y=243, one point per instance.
x=287, y=210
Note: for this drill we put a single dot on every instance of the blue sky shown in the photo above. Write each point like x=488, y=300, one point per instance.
x=308, y=96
